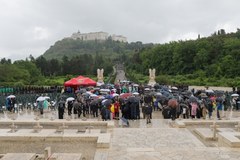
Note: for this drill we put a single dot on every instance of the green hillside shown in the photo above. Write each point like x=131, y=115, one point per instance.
x=213, y=60
x=109, y=48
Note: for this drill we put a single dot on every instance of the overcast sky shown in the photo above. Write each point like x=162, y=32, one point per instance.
x=32, y=26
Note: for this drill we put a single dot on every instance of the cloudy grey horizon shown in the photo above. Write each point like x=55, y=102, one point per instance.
x=32, y=26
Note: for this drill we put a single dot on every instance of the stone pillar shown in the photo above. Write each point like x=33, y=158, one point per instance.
x=152, y=76
x=100, y=76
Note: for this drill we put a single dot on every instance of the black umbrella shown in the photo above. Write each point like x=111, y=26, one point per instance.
x=219, y=99
x=107, y=102
x=162, y=99
x=187, y=93
x=165, y=93
x=193, y=99
x=94, y=102
x=157, y=86
x=133, y=99
x=83, y=90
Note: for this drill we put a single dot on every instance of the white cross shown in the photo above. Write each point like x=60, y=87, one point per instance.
x=214, y=128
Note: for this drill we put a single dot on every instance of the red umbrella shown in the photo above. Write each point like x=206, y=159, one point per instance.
x=172, y=103
x=125, y=95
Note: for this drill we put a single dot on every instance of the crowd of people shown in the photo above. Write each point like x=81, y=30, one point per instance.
x=133, y=102
x=130, y=101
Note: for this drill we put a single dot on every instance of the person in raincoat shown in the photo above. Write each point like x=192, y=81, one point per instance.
x=194, y=107
x=116, y=109
x=61, y=108
x=46, y=105
x=173, y=104
x=219, y=106
x=148, y=112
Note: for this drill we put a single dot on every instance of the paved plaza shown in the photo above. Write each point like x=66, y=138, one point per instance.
x=163, y=139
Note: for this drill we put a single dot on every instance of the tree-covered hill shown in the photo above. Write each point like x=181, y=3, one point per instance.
x=216, y=56
x=109, y=48
x=213, y=60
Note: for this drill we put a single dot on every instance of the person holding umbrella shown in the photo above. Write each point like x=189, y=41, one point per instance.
x=61, y=107
x=173, y=104
x=219, y=101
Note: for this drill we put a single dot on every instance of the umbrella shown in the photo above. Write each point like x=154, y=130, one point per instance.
x=70, y=99
x=125, y=95
x=162, y=99
x=187, y=93
x=94, y=102
x=156, y=86
x=165, y=93
x=83, y=90
x=108, y=97
x=193, y=99
x=172, y=103
x=115, y=95
x=135, y=93
x=219, y=99
x=104, y=90
x=133, y=99
x=209, y=91
x=11, y=96
x=235, y=95
x=175, y=88
x=107, y=102
x=93, y=95
x=203, y=95
x=86, y=94
x=46, y=97
x=147, y=89
x=40, y=98
x=63, y=96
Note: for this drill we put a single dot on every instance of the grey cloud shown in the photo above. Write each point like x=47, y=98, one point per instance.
x=32, y=26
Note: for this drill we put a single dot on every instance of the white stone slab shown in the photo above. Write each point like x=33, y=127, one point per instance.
x=204, y=133
x=140, y=149
x=104, y=140
x=94, y=131
x=101, y=155
x=225, y=130
x=230, y=139
x=66, y=156
x=19, y=156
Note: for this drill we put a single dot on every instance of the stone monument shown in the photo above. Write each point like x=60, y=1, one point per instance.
x=152, y=76
x=100, y=76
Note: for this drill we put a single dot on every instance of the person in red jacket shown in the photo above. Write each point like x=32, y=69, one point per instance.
x=116, y=109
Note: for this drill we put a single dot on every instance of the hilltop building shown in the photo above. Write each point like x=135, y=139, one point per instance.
x=97, y=36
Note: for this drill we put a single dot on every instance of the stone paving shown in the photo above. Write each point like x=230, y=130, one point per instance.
x=163, y=143
x=159, y=140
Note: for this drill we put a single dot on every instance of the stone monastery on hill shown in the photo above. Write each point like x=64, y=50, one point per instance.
x=97, y=36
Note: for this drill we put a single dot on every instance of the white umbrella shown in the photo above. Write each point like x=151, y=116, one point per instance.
x=135, y=93
x=46, y=97
x=40, y=98
x=158, y=94
x=209, y=91
x=235, y=95
x=174, y=88
x=115, y=95
x=104, y=90
x=70, y=99
x=11, y=96
x=93, y=95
